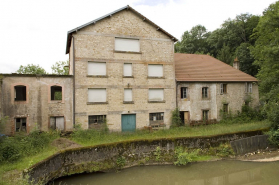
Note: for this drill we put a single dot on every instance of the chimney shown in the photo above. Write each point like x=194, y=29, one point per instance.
x=236, y=63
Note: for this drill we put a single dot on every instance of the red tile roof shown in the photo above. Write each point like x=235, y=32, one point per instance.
x=205, y=68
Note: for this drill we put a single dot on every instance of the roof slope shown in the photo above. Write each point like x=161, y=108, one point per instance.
x=108, y=15
x=205, y=68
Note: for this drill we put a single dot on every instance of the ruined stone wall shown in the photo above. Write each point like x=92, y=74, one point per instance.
x=96, y=43
x=234, y=98
x=38, y=107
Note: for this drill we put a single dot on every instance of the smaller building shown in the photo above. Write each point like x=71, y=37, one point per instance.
x=207, y=87
x=36, y=101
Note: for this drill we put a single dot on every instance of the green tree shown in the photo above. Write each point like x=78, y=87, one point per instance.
x=59, y=68
x=31, y=69
x=225, y=55
x=266, y=53
x=193, y=41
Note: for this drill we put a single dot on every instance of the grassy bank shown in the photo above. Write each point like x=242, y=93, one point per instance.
x=36, y=147
x=93, y=137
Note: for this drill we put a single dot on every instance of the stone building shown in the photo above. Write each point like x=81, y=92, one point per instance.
x=123, y=67
x=36, y=101
x=207, y=88
x=123, y=71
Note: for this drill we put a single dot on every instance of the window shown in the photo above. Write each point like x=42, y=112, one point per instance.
x=156, y=94
x=97, y=95
x=95, y=121
x=96, y=68
x=20, y=124
x=127, y=44
x=56, y=123
x=156, y=118
x=205, y=115
x=223, y=88
x=56, y=92
x=226, y=108
x=184, y=92
x=20, y=93
x=248, y=87
x=127, y=70
x=205, y=92
x=155, y=70
x=128, y=96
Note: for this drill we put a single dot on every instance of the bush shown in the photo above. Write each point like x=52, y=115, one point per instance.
x=184, y=157
x=175, y=118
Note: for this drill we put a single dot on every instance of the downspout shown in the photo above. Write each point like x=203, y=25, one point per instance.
x=176, y=99
x=74, y=83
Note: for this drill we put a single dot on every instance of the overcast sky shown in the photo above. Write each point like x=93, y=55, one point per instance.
x=34, y=31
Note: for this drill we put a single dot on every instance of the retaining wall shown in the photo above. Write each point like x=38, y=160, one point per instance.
x=116, y=155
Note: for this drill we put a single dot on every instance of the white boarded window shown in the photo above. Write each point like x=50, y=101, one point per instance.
x=122, y=44
x=96, y=68
x=155, y=70
x=128, y=96
x=156, y=94
x=127, y=70
x=97, y=95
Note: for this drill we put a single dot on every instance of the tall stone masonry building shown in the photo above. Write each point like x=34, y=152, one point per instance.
x=123, y=67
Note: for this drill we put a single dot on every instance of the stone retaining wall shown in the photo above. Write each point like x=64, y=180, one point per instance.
x=116, y=155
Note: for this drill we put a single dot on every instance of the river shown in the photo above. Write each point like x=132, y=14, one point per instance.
x=204, y=173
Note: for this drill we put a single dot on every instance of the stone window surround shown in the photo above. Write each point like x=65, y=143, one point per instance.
x=56, y=115
x=49, y=93
x=13, y=93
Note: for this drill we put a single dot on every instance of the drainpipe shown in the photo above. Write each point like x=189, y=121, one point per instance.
x=74, y=83
x=176, y=85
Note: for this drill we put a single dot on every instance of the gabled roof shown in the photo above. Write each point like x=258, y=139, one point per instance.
x=108, y=15
x=205, y=68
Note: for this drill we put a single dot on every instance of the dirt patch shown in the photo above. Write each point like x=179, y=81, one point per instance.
x=63, y=143
x=260, y=156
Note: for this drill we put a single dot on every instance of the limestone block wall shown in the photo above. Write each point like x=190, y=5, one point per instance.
x=38, y=107
x=234, y=98
x=96, y=43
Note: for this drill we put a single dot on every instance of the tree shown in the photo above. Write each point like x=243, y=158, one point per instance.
x=59, y=68
x=31, y=69
x=193, y=41
x=225, y=55
x=266, y=53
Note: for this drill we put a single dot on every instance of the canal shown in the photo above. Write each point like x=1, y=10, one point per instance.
x=204, y=173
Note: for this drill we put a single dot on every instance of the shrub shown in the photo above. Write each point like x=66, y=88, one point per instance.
x=175, y=118
x=184, y=157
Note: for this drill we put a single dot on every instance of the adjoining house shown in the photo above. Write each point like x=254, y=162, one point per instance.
x=123, y=71
x=207, y=87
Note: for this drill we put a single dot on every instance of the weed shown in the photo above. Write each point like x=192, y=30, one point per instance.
x=184, y=157
x=120, y=161
x=157, y=153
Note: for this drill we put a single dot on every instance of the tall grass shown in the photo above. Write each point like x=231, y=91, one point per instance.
x=94, y=137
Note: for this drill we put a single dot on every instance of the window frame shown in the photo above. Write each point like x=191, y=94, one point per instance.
x=223, y=88
x=128, y=102
x=127, y=51
x=156, y=122
x=97, y=75
x=205, y=111
x=13, y=93
x=131, y=76
x=97, y=124
x=54, y=93
x=182, y=93
x=156, y=101
x=101, y=102
x=248, y=87
x=205, y=94
x=16, y=92
x=26, y=125
x=148, y=70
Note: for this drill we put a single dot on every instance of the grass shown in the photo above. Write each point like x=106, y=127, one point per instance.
x=93, y=137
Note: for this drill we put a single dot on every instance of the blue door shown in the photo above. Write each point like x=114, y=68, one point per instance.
x=128, y=122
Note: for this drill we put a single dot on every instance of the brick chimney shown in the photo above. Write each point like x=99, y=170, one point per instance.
x=236, y=63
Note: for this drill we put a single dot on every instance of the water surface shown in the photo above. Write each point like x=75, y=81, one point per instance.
x=206, y=173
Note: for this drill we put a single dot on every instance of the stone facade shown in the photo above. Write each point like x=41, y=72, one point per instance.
x=38, y=107
x=96, y=43
x=235, y=96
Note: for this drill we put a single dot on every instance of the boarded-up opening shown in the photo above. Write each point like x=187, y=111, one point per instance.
x=125, y=44
x=155, y=70
x=156, y=94
x=97, y=95
x=56, y=92
x=57, y=123
x=20, y=124
x=96, y=68
x=96, y=121
x=20, y=93
x=127, y=70
x=128, y=95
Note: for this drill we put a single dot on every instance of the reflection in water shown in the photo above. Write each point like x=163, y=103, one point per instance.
x=207, y=173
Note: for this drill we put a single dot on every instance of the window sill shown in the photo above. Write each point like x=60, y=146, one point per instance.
x=162, y=101
x=55, y=101
x=20, y=102
x=130, y=52
x=128, y=76
x=97, y=76
x=185, y=99
x=205, y=98
x=128, y=102
x=155, y=77
x=95, y=103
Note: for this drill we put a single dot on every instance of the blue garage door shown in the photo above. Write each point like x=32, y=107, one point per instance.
x=128, y=122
